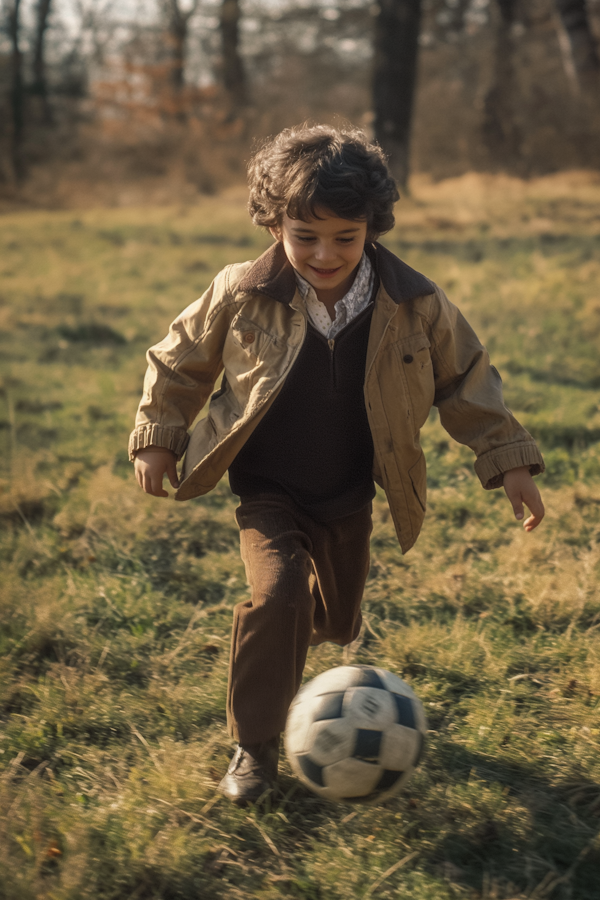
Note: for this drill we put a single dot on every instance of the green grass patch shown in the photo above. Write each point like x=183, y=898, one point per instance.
x=116, y=607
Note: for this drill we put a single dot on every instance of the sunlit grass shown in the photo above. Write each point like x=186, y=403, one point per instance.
x=116, y=608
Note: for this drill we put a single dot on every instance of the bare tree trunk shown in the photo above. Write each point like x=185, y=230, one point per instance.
x=40, y=83
x=501, y=134
x=176, y=22
x=234, y=76
x=396, y=46
x=17, y=93
x=577, y=44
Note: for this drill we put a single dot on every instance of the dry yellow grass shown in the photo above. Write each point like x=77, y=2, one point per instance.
x=116, y=607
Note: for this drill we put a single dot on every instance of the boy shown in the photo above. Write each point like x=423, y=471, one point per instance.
x=332, y=351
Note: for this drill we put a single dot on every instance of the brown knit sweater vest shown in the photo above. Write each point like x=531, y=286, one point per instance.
x=314, y=444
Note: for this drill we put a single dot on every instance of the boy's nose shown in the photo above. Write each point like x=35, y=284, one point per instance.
x=324, y=254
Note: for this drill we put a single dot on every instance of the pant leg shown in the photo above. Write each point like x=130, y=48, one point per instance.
x=272, y=630
x=341, y=561
x=306, y=581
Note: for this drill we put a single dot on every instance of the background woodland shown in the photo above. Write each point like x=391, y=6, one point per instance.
x=110, y=102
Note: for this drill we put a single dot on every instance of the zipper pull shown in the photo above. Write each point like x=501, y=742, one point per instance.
x=331, y=343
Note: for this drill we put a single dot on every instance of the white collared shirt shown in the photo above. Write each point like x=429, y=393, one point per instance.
x=347, y=308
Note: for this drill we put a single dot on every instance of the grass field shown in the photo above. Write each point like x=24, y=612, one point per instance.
x=116, y=607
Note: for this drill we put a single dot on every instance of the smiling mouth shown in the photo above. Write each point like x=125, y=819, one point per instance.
x=325, y=273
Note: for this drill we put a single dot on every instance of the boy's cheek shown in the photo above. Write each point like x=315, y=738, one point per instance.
x=291, y=252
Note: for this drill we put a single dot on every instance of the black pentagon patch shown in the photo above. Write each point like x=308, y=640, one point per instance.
x=312, y=771
x=419, y=751
x=388, y=779
x=406, y=713
x=331, y=706
x=366, y=677
x=367, y=745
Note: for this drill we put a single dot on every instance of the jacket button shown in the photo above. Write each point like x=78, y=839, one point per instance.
x=408, y=358
x=249, y=337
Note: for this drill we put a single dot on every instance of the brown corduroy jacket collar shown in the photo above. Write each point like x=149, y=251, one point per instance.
x=273, y=274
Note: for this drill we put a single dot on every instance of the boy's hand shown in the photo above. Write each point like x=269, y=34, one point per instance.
x=521, y=489
x=151, y=464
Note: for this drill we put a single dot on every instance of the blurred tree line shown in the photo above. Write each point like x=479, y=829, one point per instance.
x=125, y=89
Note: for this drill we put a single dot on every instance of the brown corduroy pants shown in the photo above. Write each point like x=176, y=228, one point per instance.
x=307, y=580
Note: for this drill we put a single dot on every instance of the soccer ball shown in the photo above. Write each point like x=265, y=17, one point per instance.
x=355, y=733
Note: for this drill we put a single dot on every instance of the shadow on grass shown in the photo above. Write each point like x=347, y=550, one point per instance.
x=558, y=856
x=546, y=847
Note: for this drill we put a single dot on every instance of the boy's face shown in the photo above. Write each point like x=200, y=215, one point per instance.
x=325, y=251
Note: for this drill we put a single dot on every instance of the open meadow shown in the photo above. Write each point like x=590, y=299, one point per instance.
x=115, y=607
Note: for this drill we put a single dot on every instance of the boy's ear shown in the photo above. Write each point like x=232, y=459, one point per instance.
x=275, y=232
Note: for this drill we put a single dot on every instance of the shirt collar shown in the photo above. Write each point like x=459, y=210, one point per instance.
x=273, y=275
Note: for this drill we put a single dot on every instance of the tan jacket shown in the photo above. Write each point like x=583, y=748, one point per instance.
x=250, y=325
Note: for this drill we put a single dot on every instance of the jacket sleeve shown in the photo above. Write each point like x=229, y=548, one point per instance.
x=182, y=370
x=468, y=394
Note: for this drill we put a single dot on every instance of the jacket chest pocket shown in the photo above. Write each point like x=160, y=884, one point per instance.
x=250, y=338
x=251, y=357
x=414, y=359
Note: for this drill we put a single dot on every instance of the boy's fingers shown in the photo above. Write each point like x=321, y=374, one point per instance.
x=521, y=490
x=536, y=508
x=532, y=522
x=150, y=470
x=517, y=505
x=157, y=488
x=153, y=485
x=172, y=474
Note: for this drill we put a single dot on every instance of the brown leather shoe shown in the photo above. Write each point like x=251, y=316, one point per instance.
x=251, y=772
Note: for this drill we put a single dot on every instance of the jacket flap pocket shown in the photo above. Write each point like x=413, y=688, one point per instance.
x=248, y=335
x=415, y=342
x=415, y=350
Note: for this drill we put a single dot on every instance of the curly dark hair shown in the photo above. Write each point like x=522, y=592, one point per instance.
x=309, y=168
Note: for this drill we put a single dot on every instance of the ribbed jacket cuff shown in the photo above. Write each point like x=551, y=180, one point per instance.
x=174, y=439
x=491, y=467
